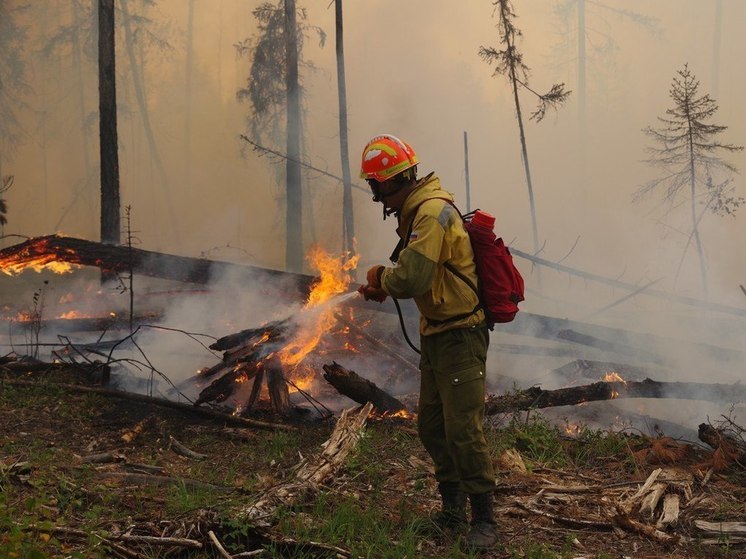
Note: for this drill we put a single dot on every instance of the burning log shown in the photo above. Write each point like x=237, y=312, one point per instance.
x=728, y=447
x=360, y=390
x=536, y=397
x=268, y=332
x=249, y=361
x=41, y=251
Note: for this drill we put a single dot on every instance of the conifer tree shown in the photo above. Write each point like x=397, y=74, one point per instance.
x=687, y=150
x=508, y=61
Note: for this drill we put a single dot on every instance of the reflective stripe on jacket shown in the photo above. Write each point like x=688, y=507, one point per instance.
x=437, y=236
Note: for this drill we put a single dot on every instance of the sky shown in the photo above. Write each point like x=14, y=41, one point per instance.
x=413, y=70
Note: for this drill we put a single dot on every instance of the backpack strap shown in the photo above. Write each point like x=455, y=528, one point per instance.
x=448, y=266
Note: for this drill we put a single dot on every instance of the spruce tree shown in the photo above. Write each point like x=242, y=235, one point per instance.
x=687, y=150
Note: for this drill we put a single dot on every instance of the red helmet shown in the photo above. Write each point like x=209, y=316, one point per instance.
x=386, y=156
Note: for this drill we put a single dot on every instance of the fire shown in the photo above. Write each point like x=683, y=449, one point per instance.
x=613, y=377
x=37, y=257
x=318, y=318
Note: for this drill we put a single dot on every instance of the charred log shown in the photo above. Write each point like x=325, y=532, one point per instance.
x=223, y=387
x=729, y=448
x=536, y=397
x=268, y=332
x=119, y=259
x=279, y=394
x=360, y=390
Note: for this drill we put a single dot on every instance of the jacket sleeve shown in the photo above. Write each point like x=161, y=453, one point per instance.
x=415, y=270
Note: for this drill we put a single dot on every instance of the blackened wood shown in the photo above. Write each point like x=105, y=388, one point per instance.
x=107, y=108
x=730, y=445
x=279, y=393
x=272, y=330
x=360, y=390
x=54, y=248
x=225, y=386
x=536, y=397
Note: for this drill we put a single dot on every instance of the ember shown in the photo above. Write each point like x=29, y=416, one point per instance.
x=279, y=349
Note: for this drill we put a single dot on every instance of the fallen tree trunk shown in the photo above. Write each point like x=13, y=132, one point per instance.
x=536, y=397
x=188, y=408
x=350, y=384
x=40, y=251
x=311, y=472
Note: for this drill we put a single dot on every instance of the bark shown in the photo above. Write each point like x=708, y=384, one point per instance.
x=109, y=147
x=118, y=259
x=360, y=390
x=348, y=221
x=536, y=397
x=272, y=330
x=310, y=473
x=294, y=213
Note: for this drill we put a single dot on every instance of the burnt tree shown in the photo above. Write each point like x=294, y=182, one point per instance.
x=107, y=107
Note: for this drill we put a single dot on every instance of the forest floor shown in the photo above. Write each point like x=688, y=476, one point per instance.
x=88, y=475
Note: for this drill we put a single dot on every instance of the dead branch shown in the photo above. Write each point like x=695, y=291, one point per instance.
x=359, y=389
x=219, y=546
x=187, y=408
x=720, y=529
x=536, y=397
x=184, y=451
x=378, y=344
x=575, y=522
x=310, y=472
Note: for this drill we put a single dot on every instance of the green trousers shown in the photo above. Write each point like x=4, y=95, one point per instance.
x=451, y=408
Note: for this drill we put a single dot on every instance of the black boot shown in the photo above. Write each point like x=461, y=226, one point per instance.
x=483, y=532
x=452, y=514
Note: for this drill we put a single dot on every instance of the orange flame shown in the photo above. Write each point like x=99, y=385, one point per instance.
x=613, y=377
x=334, y=279
x=38, y=257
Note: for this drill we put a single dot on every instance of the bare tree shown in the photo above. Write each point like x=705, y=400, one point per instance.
x=587, y=35
x=509, y=62
x=5, y=184
x=12, y=77
x=348, y=221
x=275, y=92
x=109, y=142
x=687, y=151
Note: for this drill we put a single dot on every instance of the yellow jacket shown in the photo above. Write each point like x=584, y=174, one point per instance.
x=437, y=236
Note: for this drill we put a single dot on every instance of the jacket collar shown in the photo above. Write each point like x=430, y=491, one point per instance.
x=427, y=187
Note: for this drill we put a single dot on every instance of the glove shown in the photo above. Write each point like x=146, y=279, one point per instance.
x=374, y=276
x=372, y=293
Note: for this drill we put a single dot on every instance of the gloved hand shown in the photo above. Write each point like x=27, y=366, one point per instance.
x=374, y=276
x=372, y=293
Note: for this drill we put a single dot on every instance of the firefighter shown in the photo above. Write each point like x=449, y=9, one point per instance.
x=434, y=249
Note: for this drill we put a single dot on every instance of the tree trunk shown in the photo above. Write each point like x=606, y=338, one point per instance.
x=110, y=218
x=348, y=222
x=188, y=94
x=145, y=115
x=294, y=214
x=43, y=250
x=519, y=115
x=360, y=390
x=536, y=397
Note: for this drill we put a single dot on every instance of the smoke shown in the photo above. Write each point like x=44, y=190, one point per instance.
x=412, y=70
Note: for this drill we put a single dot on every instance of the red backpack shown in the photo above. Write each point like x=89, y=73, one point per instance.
x=500, y=283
